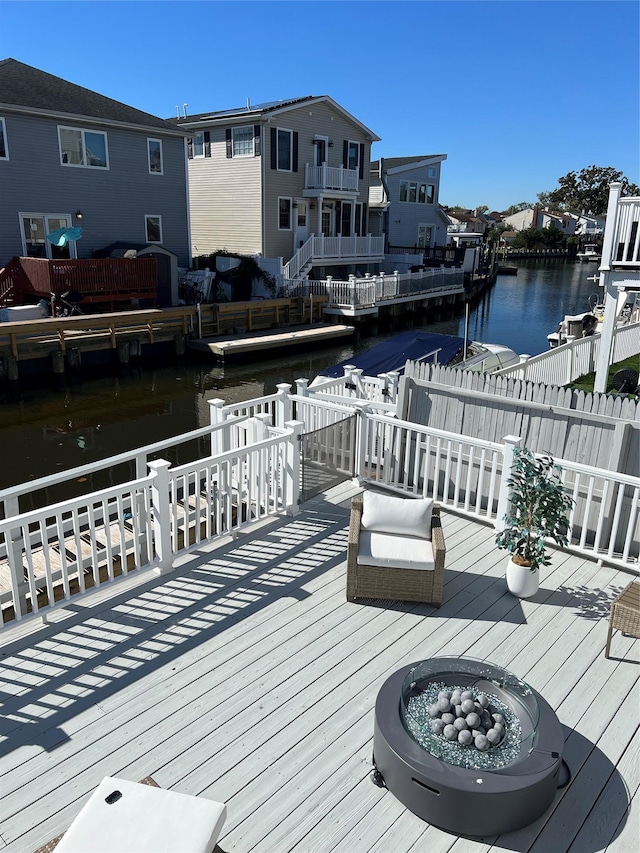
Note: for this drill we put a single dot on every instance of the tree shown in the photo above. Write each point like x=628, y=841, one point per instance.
x=588, y=190
x=516, y=208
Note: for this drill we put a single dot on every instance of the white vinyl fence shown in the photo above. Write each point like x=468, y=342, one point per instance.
x=254, y=470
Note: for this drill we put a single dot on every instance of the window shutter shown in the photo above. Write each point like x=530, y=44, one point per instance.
x=229, y=143
x=207, y=144
x=338, y=218
x=361, y=172
x=345, y=154
x=190, y=149
x=295, y=151
x=256, y=140
x=274, y=149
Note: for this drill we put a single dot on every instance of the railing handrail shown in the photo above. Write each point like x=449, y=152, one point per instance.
x=110, y=461
x=225, y=456
x=69, y=504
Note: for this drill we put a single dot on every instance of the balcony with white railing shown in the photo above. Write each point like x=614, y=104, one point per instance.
x=324, y=177
x=319, y=249
x=626, y=240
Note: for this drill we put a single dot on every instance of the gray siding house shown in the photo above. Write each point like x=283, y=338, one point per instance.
x=70, y=157
x=403, y=198
x=284, y=179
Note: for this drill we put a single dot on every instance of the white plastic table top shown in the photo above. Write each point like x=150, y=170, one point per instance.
x=143, y=819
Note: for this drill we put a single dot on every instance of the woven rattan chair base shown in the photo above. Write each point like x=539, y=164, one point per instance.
x=625, y=614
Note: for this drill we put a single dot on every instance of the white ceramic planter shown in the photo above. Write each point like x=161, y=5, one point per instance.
x=521, y=581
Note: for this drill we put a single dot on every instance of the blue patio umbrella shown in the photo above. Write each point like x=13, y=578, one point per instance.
x=61, y=236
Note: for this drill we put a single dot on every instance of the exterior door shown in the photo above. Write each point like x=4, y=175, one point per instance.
x=328, y=220
x=35, y=227
x=320, y=144
x=300, y=222
x=345, y=219
x=424, y=236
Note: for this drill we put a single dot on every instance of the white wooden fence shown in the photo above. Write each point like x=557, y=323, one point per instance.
x=591, y=429
x=565, y=363
x=52, y=554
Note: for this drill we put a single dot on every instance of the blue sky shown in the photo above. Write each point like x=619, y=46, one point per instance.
x=516, y=93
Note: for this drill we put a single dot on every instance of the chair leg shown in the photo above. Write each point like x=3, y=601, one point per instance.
x=609, y=635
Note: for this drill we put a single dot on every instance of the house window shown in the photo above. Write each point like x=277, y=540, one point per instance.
x=353, y=156
x=243, y=141
x=284, y=214
x=431, y=172
x=419, y=193
x=4, y=150
x=154, y=150
x=86, y=148
x=153, y=229
x=198, y=144
x=35, y=227
x=285, y=150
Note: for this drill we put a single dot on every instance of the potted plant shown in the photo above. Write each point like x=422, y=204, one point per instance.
x=538, y=509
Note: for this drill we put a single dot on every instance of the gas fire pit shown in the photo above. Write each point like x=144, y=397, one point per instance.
x=466, y=745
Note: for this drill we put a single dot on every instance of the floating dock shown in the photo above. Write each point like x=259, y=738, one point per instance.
x=225, y=346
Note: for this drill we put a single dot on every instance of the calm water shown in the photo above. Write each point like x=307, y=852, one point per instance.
x=51, y=430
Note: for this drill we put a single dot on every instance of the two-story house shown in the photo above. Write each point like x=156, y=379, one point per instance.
x=71, y=158
x=403, y=201
x=539, y=217
x=284, y=179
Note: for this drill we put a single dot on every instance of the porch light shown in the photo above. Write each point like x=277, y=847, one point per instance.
x=78, y=214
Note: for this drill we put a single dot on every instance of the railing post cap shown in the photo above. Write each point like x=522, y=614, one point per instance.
x=283, y=387
x=217, y=402
x=159, y=465
x=512, y=439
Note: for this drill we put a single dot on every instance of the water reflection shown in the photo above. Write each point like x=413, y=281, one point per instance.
x=47, y=430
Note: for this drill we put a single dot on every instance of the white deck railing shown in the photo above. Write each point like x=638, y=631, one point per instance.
x=330, y=178
x=375, y=289
x=626, y=240
x=253, y=471
x=318, y=248
x=567, y=362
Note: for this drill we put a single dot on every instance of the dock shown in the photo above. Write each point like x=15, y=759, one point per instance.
x=224, y=346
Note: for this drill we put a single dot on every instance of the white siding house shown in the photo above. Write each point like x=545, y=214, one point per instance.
x=286, y=179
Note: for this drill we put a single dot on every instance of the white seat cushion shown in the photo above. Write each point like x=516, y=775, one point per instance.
x=391, y=514
x=386, y=550
x=143, y=819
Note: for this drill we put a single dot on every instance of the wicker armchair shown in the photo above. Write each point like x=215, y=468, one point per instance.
x=393, y=582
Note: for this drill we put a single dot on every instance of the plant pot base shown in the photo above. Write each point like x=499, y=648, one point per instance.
x=521, y=581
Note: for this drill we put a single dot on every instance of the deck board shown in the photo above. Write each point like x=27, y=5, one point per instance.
x=246, y=676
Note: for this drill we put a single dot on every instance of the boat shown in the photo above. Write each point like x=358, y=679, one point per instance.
x=504, y=270
x=590, y=253
x=590, y=322
x=449, y=350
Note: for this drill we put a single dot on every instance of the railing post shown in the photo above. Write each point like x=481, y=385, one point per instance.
x=570, y=359
x=510, y=442
x=352, y=285
x=293, y=468
x=356, y=378
x=393, y=379
x=524, y=360
x=283, y=404
x=362, y=429
x=14, y=556
x=161, y=510
x=217, y=416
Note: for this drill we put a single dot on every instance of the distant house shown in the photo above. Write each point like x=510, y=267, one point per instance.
x=70, y=157
x=588, y=226
x=403, y=201
x=285, y=179
x=538, y=217
x=466, y=222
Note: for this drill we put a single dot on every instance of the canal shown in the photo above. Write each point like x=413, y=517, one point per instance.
x=47, y=430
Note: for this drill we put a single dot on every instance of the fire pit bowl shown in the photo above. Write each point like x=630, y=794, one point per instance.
x=466, y=745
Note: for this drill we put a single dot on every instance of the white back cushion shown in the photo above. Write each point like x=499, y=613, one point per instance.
x=403, y=516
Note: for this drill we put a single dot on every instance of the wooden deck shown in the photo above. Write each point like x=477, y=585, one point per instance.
x=245, y=676
x=259, y=341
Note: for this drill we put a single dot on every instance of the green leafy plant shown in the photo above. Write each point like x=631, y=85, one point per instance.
x=538, y=509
